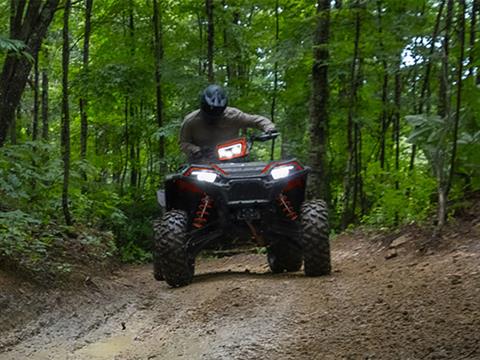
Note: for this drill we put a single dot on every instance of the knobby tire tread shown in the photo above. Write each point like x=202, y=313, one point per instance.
x=315, y=237
x=170, y=244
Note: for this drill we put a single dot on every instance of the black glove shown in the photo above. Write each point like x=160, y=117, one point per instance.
x=207, y=152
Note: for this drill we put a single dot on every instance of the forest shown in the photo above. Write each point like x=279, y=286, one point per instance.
x=380, y=98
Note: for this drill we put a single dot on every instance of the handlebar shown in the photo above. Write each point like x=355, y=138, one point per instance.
x=265, y=136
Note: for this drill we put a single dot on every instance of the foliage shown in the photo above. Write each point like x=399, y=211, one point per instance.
x=14, y=46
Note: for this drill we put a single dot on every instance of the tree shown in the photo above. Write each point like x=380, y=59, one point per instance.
x=30, y=22
x=65, y=138
x=158, y=42
x=352, y=183
x=319, y=104
x=84, y=97
x=210, y=40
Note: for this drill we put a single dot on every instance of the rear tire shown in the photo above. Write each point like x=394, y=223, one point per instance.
x=174, y=263
x=316, y=244
x=284, y=256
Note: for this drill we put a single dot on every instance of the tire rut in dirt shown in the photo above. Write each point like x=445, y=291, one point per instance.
x=316, y=245
x=170, y=244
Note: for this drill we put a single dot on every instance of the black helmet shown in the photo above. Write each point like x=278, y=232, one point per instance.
x=213, y=101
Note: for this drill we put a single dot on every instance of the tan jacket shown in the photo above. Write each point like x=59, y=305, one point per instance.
x=197, y=133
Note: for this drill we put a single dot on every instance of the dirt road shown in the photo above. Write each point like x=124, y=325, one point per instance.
x=410, y=306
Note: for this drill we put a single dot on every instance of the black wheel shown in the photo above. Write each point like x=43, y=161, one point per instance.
x=176, y=266
x=284, y=256
x=316, y=245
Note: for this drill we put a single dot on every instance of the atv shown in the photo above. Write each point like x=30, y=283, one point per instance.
x=232, y=197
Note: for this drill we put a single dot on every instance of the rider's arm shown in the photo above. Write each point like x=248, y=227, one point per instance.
x=186, y=141
x=256, y=121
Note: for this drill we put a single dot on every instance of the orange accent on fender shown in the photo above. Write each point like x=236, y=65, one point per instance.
x=295, y=183
x=186, y=186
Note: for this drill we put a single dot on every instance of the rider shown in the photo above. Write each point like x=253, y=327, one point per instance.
x=214, y=123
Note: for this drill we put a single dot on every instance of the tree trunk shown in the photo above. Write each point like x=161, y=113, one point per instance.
x=383, y=113
x=473, y=32
x=44, y=104
x=132, y=105
x=348, y=215
x=425, y=92
x=461, y=22
x=29, y=24
x=36, y=90
x=84, y=97
x=158, y=45
x=200, y=42
x=319, y=182
x=396, y=120
x=444, y=112
x=210, y=40
x=65, y=139
x=275, y=75
x=225, y=44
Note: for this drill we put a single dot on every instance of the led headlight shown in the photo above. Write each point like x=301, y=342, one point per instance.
x=281, y=172
x=230, y=152
x=207, y=176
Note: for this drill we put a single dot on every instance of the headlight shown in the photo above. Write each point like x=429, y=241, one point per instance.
x=281, y=172
x=207, y=176
x=230, y=152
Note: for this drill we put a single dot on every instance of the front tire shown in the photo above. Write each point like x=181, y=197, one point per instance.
x=284, y=256
x=316, y=244
x=174, y=262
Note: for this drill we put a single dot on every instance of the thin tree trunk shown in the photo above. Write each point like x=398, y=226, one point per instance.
x=425, y=92
x=396, y=120
x=36, y=90
x=459, y=94
x=473, y=32
x=133, y=166
x=132, y=106
x=44, y=104
x=349, y=211
x=127, y=147
x=29, y=24
x=444, y=112
x=275, y=74
x=275, y=65
x=65, y=139
x=319, y=183
x=225, y=43
x=84, y=97
x=210, y=40
x=158, y=42
x=200, y=38
x=383, y=114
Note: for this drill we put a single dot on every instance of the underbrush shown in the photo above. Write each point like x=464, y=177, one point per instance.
x=50, y=252
x=34, y=240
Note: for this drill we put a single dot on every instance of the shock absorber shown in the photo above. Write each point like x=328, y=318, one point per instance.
x=286, y=207
x=202, y=213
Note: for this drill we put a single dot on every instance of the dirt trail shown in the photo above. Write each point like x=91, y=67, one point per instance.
x=410, y=306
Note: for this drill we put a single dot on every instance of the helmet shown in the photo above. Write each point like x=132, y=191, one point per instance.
x=213, y=101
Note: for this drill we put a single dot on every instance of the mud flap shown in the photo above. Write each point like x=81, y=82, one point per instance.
x=161, y=198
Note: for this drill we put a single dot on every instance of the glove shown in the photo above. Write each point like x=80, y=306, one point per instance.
x=207, y=152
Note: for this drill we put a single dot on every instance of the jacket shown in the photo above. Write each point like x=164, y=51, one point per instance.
x=197, y=132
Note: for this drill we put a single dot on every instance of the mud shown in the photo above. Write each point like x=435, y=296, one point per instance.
x=412, y=305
